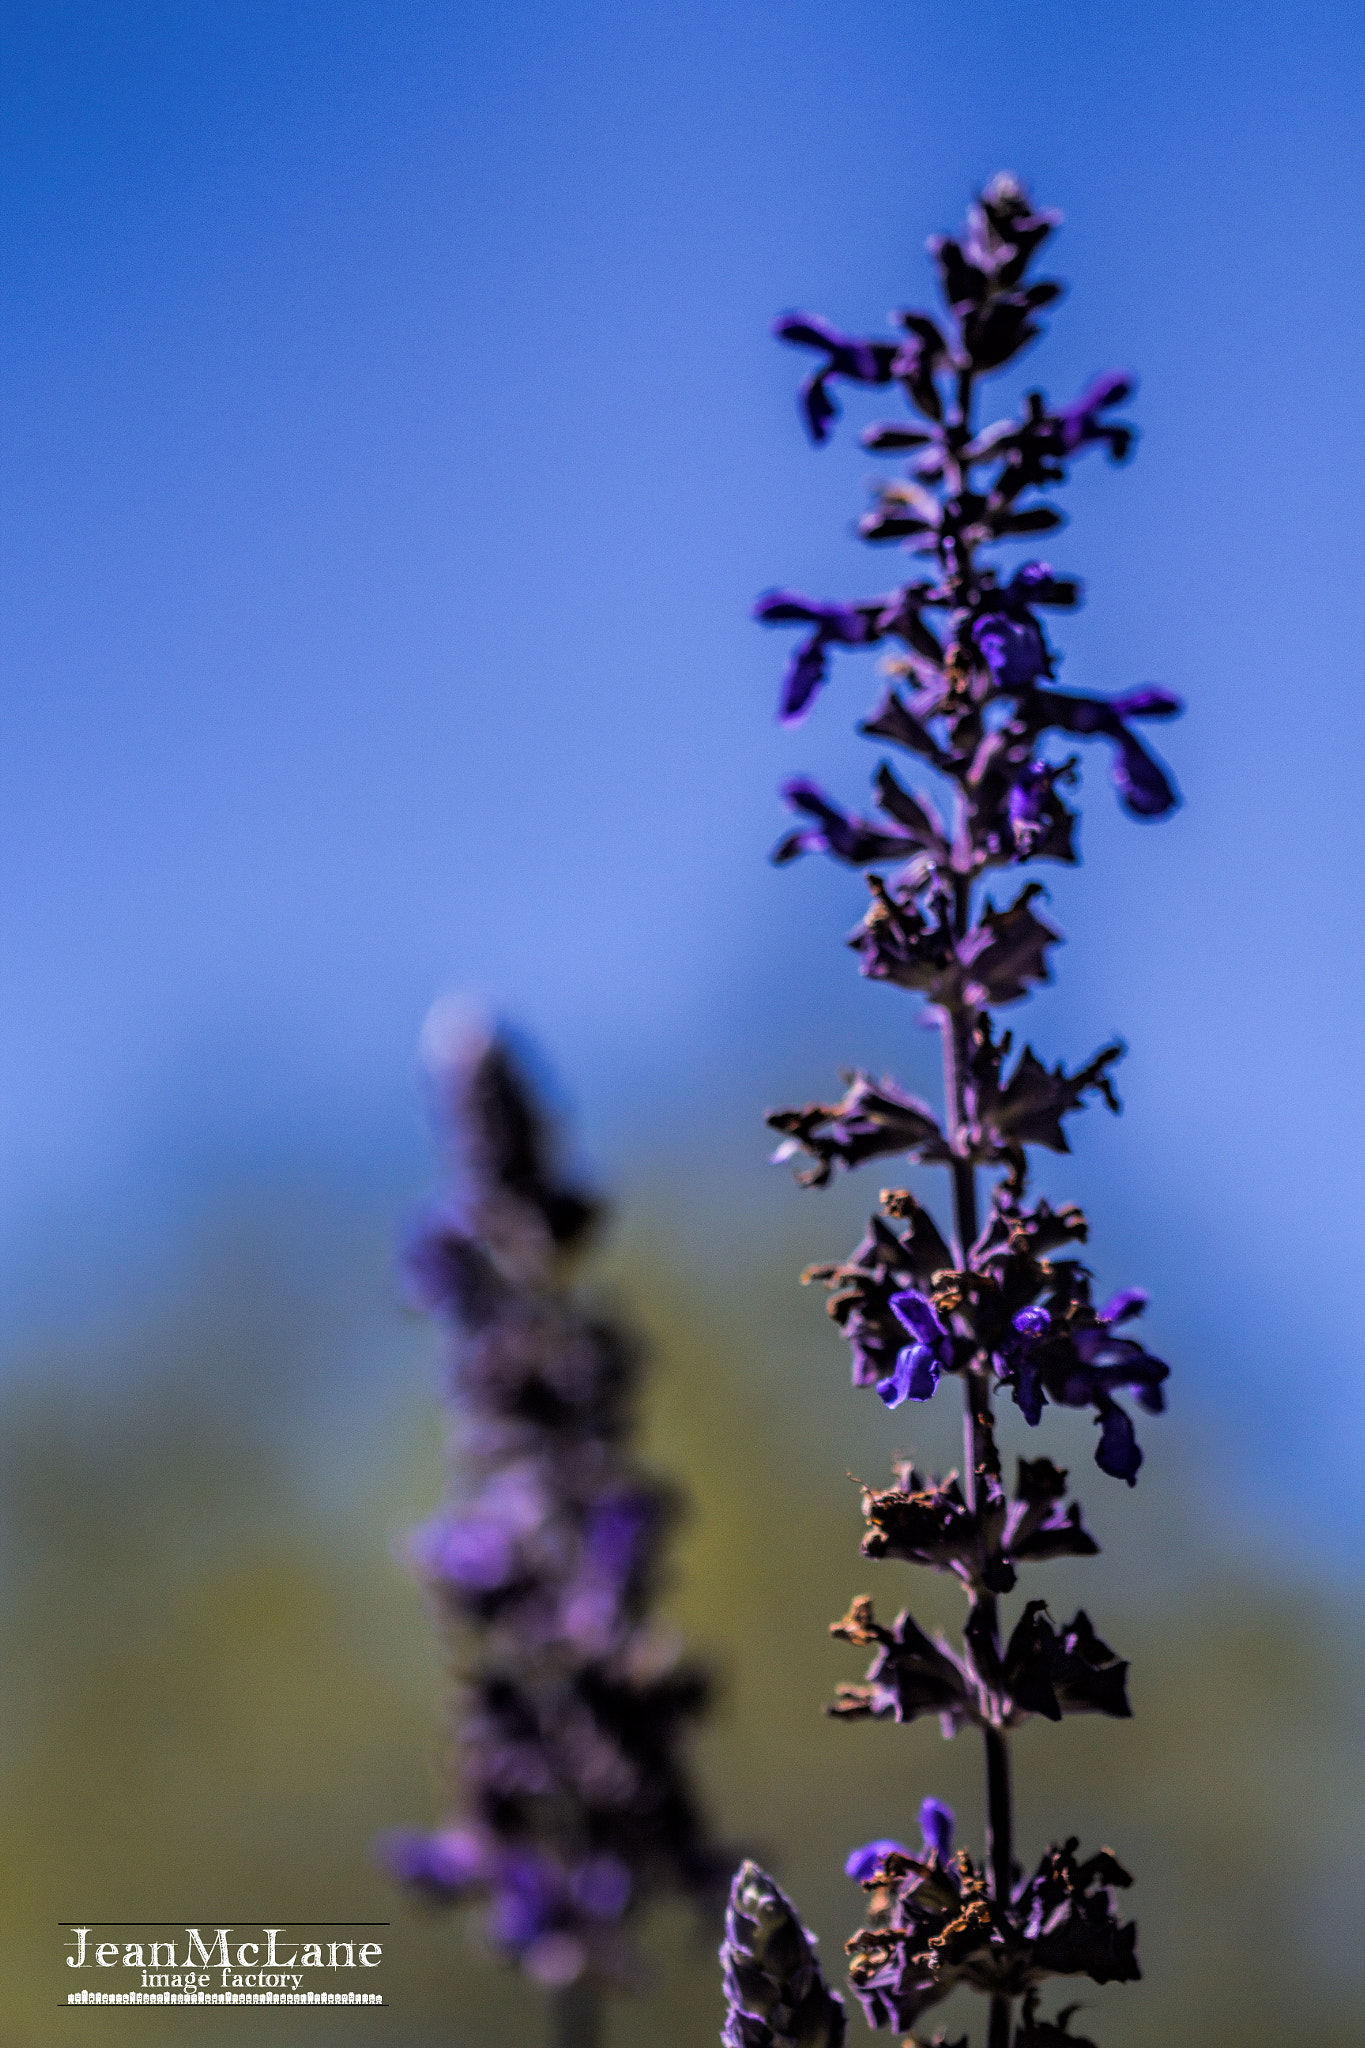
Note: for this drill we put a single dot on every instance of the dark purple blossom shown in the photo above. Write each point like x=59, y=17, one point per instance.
x=1143, y=785
x=1080, y=425
x=850, y=839
x=863, y=1862
x=445, y=1271
x=1013, y=647
x=1117, y=1453
x=573, y=1802
x=446, y=1865
x=1085, y=1367
x=920, y=1363
x=602, y=1887
x=530, y=1894
x=843, y=625
x=1040, y=823
x=860, y=362
x=1005, y=630
x=936, y=1825
x=618, y=1529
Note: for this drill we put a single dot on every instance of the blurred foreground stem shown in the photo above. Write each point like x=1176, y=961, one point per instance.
x=576, y=2015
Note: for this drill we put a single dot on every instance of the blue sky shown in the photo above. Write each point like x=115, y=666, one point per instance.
x=393, y=447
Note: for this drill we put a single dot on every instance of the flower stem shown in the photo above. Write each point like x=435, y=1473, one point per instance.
x=576, y=2015
x=981, y=1457
x=999, y=1813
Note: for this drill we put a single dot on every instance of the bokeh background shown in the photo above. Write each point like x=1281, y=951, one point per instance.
x=393, y=447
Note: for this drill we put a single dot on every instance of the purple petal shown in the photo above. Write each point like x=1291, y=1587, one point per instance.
x=817, y=407
x=914, y=1379
x=893, y=1390
x=923, y=1375
x=936, y=1824
x=445, y=1863
x=917, y=1315
x=1148, y=702
x=602, y=1887
x=1120, y=1307
x=863, y=1862
x=805, y=673
x=475, y=1553
x=1032, y=1322
x=1118, y=1452
x=1143, y=788
x=1013, y=648
x=808, y=330
x=1027, y=1388
x=616, y=1531
x=787, y=608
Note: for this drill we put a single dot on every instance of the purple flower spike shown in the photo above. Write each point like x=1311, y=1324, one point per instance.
x=936, y=1824
x=775, y=1990
x=863, y=1862
x=861, y=362
x=573, y=1804
x=1002, y=1298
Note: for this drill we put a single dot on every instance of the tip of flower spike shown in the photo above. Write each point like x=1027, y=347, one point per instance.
x=774, y=1988
x=456, y=1031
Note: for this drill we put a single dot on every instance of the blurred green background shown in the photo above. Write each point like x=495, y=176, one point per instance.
x=222, y=1686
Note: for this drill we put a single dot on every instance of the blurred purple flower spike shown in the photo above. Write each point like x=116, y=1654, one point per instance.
x=573, y=1797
